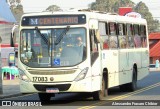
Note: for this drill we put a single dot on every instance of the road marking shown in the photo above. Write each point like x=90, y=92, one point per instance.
x=121, y=97
x=20, y=96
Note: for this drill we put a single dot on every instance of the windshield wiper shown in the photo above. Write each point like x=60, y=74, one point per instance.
x=62, y=35
x=42, y=35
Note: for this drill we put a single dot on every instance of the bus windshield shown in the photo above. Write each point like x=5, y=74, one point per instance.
x=52, y=47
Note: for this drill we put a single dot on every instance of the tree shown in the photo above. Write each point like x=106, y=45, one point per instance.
x=144, y=11
x=113, y=6
x=103, y=5
x=110, y=5
x=16, y=8
x=53, y=8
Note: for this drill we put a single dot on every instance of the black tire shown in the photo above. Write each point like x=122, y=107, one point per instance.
x=133, y=85
x=45, y=97
x=123, y=88
x=130, y=86
x=99, y=95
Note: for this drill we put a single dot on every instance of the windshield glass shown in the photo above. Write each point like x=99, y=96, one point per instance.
x=52, y=47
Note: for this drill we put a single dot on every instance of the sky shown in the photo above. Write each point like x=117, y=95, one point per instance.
x=41, y=5
x=153, y=5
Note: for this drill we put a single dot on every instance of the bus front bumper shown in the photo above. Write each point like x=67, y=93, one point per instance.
x=74, y=86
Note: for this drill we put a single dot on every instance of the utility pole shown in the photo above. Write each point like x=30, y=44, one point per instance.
x=1, y=82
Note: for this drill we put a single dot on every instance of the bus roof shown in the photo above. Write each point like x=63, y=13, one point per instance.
x=94, y=15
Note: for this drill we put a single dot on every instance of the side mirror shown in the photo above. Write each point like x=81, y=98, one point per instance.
x=13, y=36
x=11, y=40
x=0, y=39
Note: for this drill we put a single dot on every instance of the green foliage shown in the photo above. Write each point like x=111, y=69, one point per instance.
x=110, y=5
x=144, y=11
x=103, y=5
x=53, y=8
x=113, y=6
x=16, y=8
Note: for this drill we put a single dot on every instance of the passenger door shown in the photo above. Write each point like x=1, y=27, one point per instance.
x=95, y=61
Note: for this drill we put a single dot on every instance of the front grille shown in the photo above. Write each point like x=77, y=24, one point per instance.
x=61, y=87
x=50, y=72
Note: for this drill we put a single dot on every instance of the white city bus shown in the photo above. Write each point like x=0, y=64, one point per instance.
x=114, y=52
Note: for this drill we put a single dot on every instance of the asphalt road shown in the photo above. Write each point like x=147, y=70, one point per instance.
x=148, y=89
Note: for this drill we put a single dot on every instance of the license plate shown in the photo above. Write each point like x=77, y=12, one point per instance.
x=52, y=90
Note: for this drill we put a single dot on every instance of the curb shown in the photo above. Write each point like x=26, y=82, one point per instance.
x=154, y=70
x=9, y=96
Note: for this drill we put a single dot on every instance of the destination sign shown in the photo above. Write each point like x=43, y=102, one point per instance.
x=53, y=20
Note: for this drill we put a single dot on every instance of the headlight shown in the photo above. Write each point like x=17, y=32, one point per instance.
x=23, y=76
x=82, y=74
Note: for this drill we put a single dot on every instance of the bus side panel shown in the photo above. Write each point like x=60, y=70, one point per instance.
x=145, y=63
x=125, y=72
x=145, y=57
x=96, y=74
x=110, y=61
x=135, y=58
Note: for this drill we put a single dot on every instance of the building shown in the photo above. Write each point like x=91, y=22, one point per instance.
x=154, y=45
x=6, y=21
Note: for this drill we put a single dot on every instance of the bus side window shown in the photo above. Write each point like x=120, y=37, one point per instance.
x=103, y=29
x=113, y=41
x=112, y=28
x=122, y=36
x=129, y=33
x=143, y=36
x=137, y=38
x=93, y=46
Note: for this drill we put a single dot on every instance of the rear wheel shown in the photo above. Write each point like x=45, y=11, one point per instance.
x=123, y=88
x=130, y=86
x=133, y=85
x=99, y=95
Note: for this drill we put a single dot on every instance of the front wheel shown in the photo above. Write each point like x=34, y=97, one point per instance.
x=45, y=97
x=99, y=95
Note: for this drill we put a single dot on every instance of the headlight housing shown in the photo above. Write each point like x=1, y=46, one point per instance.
x=23, y=76
x=82, y=74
